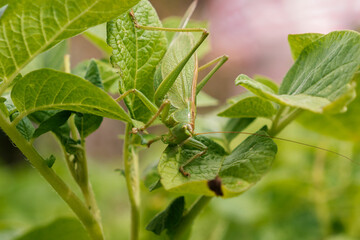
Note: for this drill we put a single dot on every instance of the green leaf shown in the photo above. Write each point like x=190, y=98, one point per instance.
x=56, y=54
x=31, y=27
x=87, y=124
x=250, y=107
x=236, y=125
x=320, y=75
x=298, y=42
x=325, y=66
x=137, y=52
x=62, y=132
x=237, y=171
x=110, y=77
x=50, y=161
x=60, y=229
x=25, y=127
x=152, y=178
x=304, y=101
x=174, y=22
x=169, y=218
x=50, y=89
x=52, y=123
x=343, y=126
x=93, y=74
x=97, y=36
x=268, y=82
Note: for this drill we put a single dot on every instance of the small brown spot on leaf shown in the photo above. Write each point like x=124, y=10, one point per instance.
x=215, y=186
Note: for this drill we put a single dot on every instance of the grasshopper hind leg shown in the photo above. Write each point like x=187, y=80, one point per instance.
x=192, y=143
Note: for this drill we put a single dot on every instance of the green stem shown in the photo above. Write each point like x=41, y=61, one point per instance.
x=81, y=172
x=279, y=124
x=84, y=215
x=132, y=183
x=190, y=216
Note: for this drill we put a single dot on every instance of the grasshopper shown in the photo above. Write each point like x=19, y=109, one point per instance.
x=174, y=100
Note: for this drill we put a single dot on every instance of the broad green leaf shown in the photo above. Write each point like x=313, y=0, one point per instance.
x=169, y=218
x=237, y=171
x=174, y=22
x=31, y=27
x=304, y=101
x=50, y=89
x=60, y=229
x=87, y=124
x=110, y=77
x=180, y=93
x=250, y=107
x=52, y=123
x=298, y=42
x=325, y=66
x=137, y=52
x=268, y=82
x=236, y=125
x=52, y=58
x=319, y=79
x=343, y=126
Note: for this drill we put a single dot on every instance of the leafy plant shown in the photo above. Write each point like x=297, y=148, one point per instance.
x=158, y=82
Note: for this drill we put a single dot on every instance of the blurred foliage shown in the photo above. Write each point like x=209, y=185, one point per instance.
x=308, y=194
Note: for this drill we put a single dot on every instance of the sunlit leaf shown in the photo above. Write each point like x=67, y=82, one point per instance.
x=31, y=27
x=298, y=42
x=250, y=107
x=50, y=89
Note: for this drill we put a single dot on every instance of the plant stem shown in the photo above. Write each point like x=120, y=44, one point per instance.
x=81, y=173
x=279, y=124
x=190, y=216
x=132, y=182
x=78, y=207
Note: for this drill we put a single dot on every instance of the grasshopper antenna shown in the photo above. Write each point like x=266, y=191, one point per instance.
x=286, y=140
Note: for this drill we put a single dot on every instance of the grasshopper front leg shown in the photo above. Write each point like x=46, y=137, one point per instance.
x=153, y=108
x=220, y=61
x=192, y=142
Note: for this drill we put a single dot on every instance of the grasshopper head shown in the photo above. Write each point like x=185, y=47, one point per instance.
x=178, y=134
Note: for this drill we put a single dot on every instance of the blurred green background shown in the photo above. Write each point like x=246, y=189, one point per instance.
x=308, y=194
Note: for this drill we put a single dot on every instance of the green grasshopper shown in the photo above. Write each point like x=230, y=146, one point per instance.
x=174, y=100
